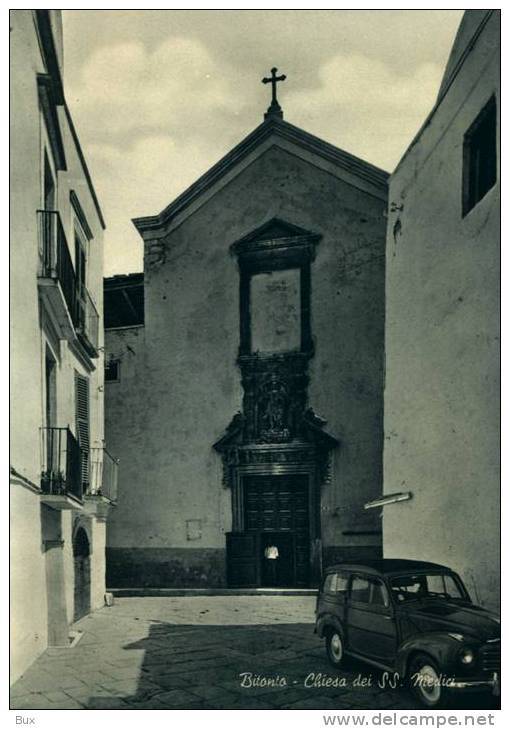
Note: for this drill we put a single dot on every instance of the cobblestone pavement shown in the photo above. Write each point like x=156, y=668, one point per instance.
x=190, y=652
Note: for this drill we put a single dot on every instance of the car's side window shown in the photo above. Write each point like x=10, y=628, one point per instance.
x=329, y=584
x=379, y=594
x=342, y=583
x=360, y=590
x=369, y=591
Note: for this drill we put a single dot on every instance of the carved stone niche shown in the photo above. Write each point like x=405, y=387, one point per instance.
x=309, y=450
x=275, y=396
x=276, y=432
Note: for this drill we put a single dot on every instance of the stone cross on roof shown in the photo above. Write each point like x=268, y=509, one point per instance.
x=274, y=110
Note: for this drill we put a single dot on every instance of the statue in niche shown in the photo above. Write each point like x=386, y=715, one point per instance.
x=273, y=408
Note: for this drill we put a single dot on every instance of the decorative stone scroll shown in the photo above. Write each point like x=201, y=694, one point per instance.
x=276, y=429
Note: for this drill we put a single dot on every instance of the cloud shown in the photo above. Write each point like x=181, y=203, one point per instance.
x=366, y=107
x=138, y=180
x=154, y=110
x=148, y=121
x=173, y=88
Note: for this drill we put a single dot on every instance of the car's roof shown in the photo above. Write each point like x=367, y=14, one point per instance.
x=387, y=566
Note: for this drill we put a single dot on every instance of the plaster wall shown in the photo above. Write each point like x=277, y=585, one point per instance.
x=182, y=387
x=31, y=333
x=28, y=606
x=442, y=344
x=98, y=564
x=25, y=199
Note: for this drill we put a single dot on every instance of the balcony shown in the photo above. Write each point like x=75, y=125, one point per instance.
x=102, y=489
x=61, y=481
x=70, y=304
x=57, y=280
x=87, y=323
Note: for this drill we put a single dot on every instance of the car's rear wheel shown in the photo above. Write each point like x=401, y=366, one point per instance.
x=425, y=682
x=335, y=647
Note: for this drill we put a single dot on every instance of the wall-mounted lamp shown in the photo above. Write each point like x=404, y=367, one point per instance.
x=390, y=499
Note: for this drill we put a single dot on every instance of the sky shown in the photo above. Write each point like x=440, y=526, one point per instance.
x=158, y=96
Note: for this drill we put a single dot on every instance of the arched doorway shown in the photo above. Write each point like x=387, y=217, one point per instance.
x=81, y=554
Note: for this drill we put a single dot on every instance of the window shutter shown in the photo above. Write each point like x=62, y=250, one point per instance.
x=82, y=423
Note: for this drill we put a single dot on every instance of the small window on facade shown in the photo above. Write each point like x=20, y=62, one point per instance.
x=480, y=157
x=112, y=370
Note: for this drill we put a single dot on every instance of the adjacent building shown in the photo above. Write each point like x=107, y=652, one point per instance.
x=246, y=402
x=62, y=478
x=443, y=326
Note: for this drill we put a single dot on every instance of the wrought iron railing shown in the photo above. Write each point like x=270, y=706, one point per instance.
x=87, y=321
x=103, y=474
x=56, y=263
x=61, y=463
x=55, y=259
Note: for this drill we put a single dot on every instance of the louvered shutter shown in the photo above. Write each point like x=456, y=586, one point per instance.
x=82, y=424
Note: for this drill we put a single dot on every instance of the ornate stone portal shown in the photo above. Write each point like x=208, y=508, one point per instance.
x=277, y=433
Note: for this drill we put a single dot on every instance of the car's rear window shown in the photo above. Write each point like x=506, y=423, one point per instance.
x=336, y=582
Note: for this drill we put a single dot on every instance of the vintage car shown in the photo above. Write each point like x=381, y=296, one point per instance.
x=414, y=620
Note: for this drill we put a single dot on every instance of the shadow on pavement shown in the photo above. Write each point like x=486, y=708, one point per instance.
x=248, y=667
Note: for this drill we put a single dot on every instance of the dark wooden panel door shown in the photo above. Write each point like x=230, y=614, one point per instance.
x=81, y=554
x=81, y=587
x=242, y=559
x=277, y=508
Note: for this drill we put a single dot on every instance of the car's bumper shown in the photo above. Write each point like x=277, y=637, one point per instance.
x=478, y=684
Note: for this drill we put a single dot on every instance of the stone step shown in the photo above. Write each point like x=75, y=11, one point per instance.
x=213, y=591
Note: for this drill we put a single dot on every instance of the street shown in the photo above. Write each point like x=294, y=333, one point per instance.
x=224, y=652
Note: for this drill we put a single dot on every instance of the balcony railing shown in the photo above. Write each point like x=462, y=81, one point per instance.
x=54, y=256
x=61, y=463
x=87, y=322
x=103, y=474
x=81, y=318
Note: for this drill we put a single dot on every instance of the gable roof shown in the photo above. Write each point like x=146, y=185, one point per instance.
x=279, y=130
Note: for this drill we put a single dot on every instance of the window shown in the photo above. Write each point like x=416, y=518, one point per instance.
x=480, y=157
x=275, y=310
x=342, y=582
x=124, y=301
x=360, y=590
x=49, y=186
x=51, y=390
x=336, y=583
x=369, y=591
x=444, y=586
x=80, y=263
x=329, y=583
x=274, y=288
x=82, y=423
x=379, y=594
x=112, y=370
x=419, y=587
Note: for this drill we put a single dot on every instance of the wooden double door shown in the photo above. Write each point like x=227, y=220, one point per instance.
x=276, y=522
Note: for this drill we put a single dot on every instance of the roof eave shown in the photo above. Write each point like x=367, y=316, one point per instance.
x=350, y=163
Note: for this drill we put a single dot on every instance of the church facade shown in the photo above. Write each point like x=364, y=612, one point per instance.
x=245, y=395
